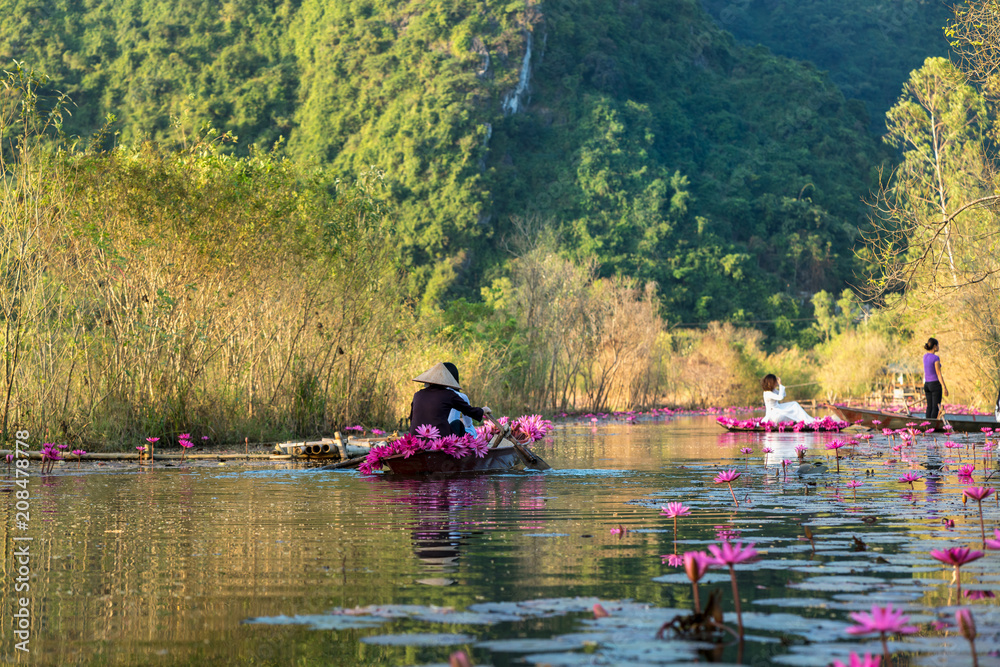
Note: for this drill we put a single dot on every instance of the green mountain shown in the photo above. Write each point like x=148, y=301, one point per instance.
x=638, y=131
x=869, y=47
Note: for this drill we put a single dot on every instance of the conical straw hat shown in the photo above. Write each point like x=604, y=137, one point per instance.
x=438, y=375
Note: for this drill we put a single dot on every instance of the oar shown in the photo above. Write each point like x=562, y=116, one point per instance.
x=528, y=457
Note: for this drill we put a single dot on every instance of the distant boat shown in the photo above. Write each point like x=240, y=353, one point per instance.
x=895, y=420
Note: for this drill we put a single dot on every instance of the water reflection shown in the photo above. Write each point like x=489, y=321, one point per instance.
x=164, y=566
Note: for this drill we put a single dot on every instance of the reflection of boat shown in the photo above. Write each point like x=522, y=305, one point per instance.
x=959, y=423
x=503, y=457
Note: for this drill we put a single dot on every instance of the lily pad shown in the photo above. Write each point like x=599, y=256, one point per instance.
x=321, y=621
x=419, y=639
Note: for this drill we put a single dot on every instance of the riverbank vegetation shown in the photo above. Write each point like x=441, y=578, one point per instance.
x=170, y=278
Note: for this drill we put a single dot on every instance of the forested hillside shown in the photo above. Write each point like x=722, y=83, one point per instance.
x=639, y=133
x=869, y=47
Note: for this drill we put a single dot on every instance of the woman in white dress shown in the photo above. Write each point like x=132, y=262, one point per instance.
x=776, y=411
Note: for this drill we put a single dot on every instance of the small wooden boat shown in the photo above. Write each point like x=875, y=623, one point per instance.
x=507, y=455
x=424, y=463
x=894, y=420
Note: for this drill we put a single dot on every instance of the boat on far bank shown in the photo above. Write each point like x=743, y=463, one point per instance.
x=896, y=420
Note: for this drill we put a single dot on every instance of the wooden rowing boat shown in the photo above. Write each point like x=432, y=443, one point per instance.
x=502, y=458
x=894, y=420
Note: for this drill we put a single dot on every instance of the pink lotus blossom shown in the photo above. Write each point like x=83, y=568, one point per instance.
x=141, y=448
x=696, y=564
x=881, y=620
x=994, y=544
x=956, y=556
x=428, y=431
x=79, y=452
x=868, y=660
x=980, y=595
x=726, y=477
x=674, y=510
x=746, y=450
x=729, y=554
x=184, y=436
x=152, y=440
x=978, y=493
x=767, y=450
x=909, y=478
x=673, y=560
x=186, y=444
x=967, y=627
x=967, y=470
x=835, y=444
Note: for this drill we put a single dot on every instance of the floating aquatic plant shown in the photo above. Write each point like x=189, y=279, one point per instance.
x=696, y=564
x=855, y=660
x=909, y=478
x=729, y=555
x=853, y=486
x=78, y=453
x=835, y=445
x=979, y=493
x=967, y=626
x=674, y=510
x=728, y=477
x=152, y=443
x=881, y=621
x=957, y=557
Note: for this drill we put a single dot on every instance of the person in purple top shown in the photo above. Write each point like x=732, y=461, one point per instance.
x=934, y=386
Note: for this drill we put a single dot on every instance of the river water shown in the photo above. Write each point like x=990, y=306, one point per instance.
x=238, y=564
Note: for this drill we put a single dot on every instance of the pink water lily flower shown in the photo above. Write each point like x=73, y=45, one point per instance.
x=967, y=628
x=884, y=620
x=428, y=431
x=696, y=564
x=909, y=478
x=729, y=554
x=957, y=556
x=978, y=493
x=881, y=621
x=152, y=440
x=868, y=660
x=994, y=544
x=726, y=477
x=673, y=560
x=674, y=510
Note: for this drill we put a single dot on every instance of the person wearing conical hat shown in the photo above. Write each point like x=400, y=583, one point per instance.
x=432, y=405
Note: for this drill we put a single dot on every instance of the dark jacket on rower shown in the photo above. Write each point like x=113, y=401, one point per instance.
x=432, y=404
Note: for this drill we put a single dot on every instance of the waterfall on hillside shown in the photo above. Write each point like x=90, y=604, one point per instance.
x=513, y=100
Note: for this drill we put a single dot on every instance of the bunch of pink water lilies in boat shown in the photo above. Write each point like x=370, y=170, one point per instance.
x=758, y=424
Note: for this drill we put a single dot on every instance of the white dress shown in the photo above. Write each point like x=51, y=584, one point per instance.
x=783, y=412
x=466, y=420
